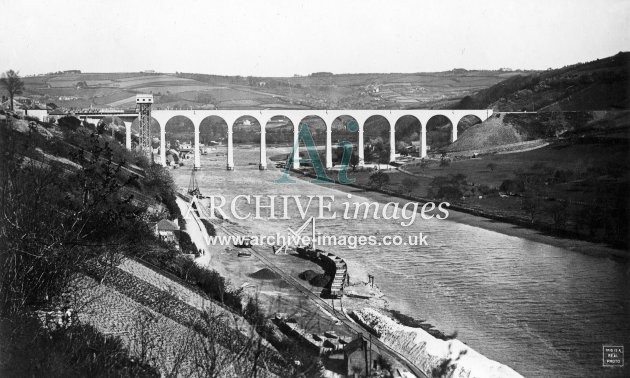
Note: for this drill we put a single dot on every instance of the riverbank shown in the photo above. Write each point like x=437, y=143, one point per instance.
x=506, y=228
x=484, y=285
x=433, y=356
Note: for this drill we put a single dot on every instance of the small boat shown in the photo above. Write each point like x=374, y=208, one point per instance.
x=246, y=243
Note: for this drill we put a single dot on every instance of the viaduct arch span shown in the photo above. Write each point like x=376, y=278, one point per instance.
x=297, y=116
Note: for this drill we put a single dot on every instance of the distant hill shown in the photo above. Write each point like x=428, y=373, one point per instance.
x=602, y=84
x=204, y=91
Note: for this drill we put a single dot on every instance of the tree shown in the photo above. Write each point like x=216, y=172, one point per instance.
x=59, y=222
x=69, y=123
x=13, y=84
x=354, y=161
x=512, y=186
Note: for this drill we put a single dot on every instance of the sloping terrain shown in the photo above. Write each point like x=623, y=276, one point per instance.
x=490, y=133
x=350, y=91
x=598, y=85
x=509, y=128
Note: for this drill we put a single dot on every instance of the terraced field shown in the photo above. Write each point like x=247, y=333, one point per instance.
x=211, y=91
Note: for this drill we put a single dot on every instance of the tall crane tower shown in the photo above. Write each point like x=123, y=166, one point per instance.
x=143, y=104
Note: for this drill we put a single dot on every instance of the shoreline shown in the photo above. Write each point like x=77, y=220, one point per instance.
x=386, y=304
x=480, y=221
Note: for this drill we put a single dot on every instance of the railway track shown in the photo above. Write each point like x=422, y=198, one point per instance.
x=341, y=316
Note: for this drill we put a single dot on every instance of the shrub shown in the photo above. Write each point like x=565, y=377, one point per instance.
x=69, y=123
x=378, y=179
x=79, y=350
x=185, y=243
x=512, y=186
x=213, y=284
x=209, y=227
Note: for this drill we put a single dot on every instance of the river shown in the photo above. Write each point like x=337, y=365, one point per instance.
x=542, y=310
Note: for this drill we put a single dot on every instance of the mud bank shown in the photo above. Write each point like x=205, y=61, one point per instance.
x=450, y=358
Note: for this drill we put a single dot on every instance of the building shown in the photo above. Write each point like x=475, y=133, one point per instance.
x=166, y=230
x=360, y=357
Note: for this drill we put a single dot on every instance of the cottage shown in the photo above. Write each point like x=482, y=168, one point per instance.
x=166, y=230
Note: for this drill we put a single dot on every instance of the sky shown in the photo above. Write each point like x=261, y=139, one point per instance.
x=287, y=37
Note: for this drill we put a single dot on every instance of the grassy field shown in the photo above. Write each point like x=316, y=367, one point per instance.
x=336, y=91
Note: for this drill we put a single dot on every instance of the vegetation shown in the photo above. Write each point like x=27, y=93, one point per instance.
x=13, y=84
x=378, y=179
x=54, y=227
x=77, y=351
x=59, y=220
x=209, y=227
x=598, y=85
x=85, y=224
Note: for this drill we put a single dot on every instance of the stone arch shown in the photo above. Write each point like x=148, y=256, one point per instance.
x=344, y=128
x=246, y=130
x=246, y=134
x=318, y=129
x=466, y=122
x=279, y=131
x=408, y=132
x=376, y=140
x=213, y=134
x=279, y=138
x=213, y=130
x=439, y=130
x=179, y=132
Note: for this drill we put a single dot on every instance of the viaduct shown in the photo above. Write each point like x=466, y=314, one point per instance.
x=296, y=117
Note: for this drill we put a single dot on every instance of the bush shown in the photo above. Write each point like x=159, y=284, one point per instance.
x=209, y=227
x=185, y=243
x=378, y=179
x=69, y=123
x=512, y=186
x=79, y=350
x=213, y=284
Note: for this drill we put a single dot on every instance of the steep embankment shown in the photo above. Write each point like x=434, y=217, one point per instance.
x=598, y=85
x=513, y=129
x=433, y=356
x=490, y=133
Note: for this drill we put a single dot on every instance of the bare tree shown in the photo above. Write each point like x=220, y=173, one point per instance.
x=13, y=84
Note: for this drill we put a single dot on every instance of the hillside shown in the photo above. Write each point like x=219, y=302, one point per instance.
x=598, y=85
x=204, y=91
x=81, y=214
x=509, y=128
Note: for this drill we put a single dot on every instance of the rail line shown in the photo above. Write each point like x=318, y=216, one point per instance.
x=340, y=315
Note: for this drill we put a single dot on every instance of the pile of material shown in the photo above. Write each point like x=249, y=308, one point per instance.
x=265, y=274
